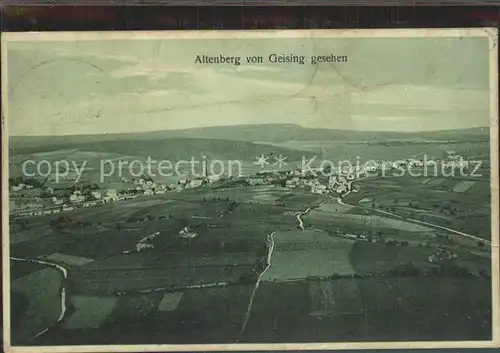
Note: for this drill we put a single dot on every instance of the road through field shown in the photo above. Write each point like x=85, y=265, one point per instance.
x=457, y=232
x=299, y=215
x=63, y=289
x=412, y=220
x=250, y=304
x=303, y=213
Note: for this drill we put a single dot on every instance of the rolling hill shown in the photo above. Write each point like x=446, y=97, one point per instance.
x=168, y=149
x=273, y=133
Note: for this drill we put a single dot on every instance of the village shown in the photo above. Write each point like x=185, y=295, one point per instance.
x=31, y=198
x=48, y=200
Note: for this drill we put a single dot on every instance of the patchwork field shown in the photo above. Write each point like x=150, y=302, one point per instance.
x=309, y=254
x=208, y=315
x=463, y=205
x=170, y=301
x=325, y=281
x=364, y=310
x=88, y=311
x=35, y=302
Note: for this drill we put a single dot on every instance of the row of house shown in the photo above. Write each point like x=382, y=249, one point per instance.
x=197, y=181
x=20, y=186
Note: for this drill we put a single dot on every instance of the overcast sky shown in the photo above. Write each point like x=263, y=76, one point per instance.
x=128, y=86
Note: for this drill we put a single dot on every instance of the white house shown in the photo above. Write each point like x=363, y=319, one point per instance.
x=143, y=246
x=195, y=183
x=76, y=197
x=186, y=233
x=257, y=181
x=318, y=189
x=97, y=195
x=111, y=193
x=341, y=189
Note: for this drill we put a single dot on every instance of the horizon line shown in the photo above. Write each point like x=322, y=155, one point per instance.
x=251, y=125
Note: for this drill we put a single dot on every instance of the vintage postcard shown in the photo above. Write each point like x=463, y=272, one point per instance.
x=250, y=190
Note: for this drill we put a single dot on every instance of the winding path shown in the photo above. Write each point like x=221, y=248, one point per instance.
x=63, y=289
x=299, y=215
x=250, y=304
x=299, y=219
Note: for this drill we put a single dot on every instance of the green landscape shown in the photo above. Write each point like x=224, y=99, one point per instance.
x=272, y=255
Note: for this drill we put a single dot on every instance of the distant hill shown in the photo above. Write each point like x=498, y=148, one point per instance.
x=169, y=149
x=273, y=133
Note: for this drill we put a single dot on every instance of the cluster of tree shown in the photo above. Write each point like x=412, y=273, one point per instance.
x=84, y=188
x=60, y=220
x=230, y=207
x=396, y=243
x=144, y=177
x=231, y=182
x=129, y=192
x=25, y=180
x=445, y=208
x=445, y=270
x=45, y=193
x=280, y=182
x=214, y=199
x=147, y=218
